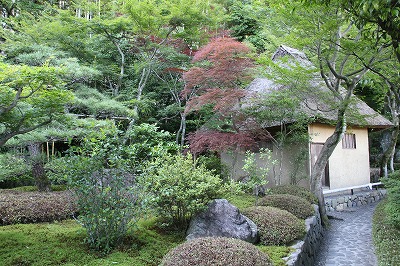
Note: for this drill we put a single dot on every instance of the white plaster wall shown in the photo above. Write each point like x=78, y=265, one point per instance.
x=347, y=167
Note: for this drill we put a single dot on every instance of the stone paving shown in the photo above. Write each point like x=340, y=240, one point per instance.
x=348, y=241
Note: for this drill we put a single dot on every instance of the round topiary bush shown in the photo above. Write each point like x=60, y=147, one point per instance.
x=296, y=191
x=275, y=226
x=216, y=251
x=300, y=207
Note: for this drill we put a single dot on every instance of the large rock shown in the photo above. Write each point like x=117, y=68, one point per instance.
x=222, y=219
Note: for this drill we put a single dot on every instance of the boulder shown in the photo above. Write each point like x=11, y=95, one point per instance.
x=224, y=220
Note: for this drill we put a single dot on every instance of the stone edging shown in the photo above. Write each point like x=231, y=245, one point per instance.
x=339, y=203
x=305, y=250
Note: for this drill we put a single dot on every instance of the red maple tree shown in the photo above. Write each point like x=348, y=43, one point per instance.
x=222, y=70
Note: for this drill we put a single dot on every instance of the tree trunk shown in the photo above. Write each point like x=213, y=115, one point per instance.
x=322, y=160
x=390, y=150
x=180, y=135
x=38, y=171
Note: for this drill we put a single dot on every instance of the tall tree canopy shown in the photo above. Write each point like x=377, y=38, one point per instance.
x=30, y=97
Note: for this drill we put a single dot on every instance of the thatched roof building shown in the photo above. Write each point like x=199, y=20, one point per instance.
x=316, y=100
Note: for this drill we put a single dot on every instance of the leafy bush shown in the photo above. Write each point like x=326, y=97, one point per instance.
x=275, y=226
x=392, y=207
x=216, y=251
x=213, y=163
x=179, y=188
x=34, y=207
x=300, y=207
x=296, y=191
x=146, y=142
x=256, y=175
x=14, y=171
x=106, y=192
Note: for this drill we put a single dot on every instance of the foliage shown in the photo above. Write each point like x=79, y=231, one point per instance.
x=13, y=170
x=300, y=207
x=280, y=110
x=385, y=14
x=30, y=97
x=146, y=142
x=108, y=198
x=296, y=191
x=221, y=70
x=107, y=206
x=34, y=207
x=178, y=187
x=213, y=163
x=256, y=175
x=275, y=226
x=392, y=206
x=245, y=24
x=89, y=101
x=386, y=237
x=215, y=251
x=211, y=140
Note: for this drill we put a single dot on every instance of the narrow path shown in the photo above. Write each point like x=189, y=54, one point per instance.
x=348, y=241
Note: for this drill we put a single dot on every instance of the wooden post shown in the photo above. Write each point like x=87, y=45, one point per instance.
x=47, y=151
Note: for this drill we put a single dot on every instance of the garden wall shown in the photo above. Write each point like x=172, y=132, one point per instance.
x=339, y=203
x=306, y=249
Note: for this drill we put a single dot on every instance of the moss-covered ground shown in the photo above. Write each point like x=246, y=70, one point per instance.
x=386, y=238
x=62, y=243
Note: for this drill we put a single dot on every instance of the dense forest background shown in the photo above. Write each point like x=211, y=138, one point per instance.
x=155, y=72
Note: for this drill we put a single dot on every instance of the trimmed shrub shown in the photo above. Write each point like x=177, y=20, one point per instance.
x=218, y=251
x=296, y=191
x=300, y=207
x=34, y=207
x=275, y=226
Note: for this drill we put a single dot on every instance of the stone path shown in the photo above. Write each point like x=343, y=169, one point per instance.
x=348, y=241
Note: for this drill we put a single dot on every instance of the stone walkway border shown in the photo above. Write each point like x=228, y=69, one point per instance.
x=342, y=202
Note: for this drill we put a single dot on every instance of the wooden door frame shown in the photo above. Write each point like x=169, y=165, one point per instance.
x=325, y=179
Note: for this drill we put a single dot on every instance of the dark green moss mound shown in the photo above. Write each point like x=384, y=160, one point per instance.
x=296, y=191
x=386, y=236
x=218, y=251
x=35, y=207
x=275, y=226
x=300, y=207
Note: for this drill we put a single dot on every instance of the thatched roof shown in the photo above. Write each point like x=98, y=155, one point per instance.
x=317, y=101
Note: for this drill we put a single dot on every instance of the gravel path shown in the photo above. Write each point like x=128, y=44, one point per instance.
x=348, y=241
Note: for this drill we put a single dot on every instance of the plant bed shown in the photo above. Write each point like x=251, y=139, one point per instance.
x=33, y=207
